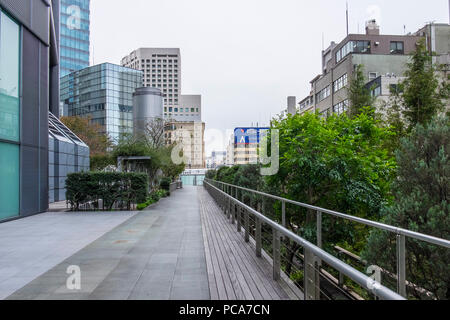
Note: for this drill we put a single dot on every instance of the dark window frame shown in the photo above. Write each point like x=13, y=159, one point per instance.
x=396, y=50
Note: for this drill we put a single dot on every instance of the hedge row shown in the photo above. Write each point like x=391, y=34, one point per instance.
x=119, y=190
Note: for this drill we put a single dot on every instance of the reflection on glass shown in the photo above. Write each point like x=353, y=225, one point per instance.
x=9, y=182
x=9, y=78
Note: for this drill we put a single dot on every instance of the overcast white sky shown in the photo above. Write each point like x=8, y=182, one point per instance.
x=245, y=56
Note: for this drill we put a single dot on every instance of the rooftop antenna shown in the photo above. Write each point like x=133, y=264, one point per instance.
x=346, y=13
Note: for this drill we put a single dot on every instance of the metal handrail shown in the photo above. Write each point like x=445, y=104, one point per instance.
x=368, y=283
x=396, y=230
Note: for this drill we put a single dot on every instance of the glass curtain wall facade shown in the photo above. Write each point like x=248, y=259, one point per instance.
x=9, y=116
x=67, y=154
x=29, y=90
x=75, y=35
x=103, y=93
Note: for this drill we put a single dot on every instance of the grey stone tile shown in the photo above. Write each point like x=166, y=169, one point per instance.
x=157, y=254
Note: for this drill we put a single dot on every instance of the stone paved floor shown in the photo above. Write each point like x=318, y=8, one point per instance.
x=30, y=247
x=156, y=254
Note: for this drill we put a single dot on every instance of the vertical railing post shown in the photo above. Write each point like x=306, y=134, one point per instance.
x=276, y=255
x=401, y=265
x=309, y=278
x=319, y=229
x=233, y=213
x=283, y=213
x=229, y=204
x=239, y=219
x=247, y=226
x=318, y=262
x=341, y=275
x=258, y=239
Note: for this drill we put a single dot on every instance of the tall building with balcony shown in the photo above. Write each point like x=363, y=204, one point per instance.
x=29, y=80
x=381, y=55
x=75, y=35
x=103, y=93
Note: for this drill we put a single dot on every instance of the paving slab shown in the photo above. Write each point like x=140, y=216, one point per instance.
x=32, y=246
x=156, y=254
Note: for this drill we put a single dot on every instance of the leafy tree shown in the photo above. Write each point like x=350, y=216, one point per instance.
x=160, y=158
x=154, y=133
x=211, y=174
x=337, y=163
x=249, y=176
x=359, y=95
x=168, y=167
x=421, y=96
x=100, y=162
x=90, y=133
x=422, y=193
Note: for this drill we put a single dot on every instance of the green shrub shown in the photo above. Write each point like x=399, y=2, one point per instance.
x=211, y=174
x=165, y=183
x=153, y=198
x=100, y=162
x=141, y=206
x=122, y=189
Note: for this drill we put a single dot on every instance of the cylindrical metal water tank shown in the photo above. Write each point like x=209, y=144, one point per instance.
x=147, y=108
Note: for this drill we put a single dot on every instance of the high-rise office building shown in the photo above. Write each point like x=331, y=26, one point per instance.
x=161, y=68
x=104, y=93
x=29, y=77
x=75, y=35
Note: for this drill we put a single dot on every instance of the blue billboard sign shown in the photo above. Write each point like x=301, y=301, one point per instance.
x=249, y=135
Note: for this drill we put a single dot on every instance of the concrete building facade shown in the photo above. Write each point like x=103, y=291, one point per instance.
x=216, y=160
x=29, y=75
x=191, y=137
x=381, y=55
x=161, y=68
x=230, y=152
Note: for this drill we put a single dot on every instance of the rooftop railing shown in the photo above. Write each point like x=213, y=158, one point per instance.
x=227, y=197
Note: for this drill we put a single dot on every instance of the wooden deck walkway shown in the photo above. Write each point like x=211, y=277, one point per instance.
x=234, y=271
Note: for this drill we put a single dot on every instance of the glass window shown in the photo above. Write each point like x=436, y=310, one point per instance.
x=340, y=83
x=353, y=46
x=376, y=92
x=341, y=107
x=9, y=183
x=397, y=47
x=9, y=78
